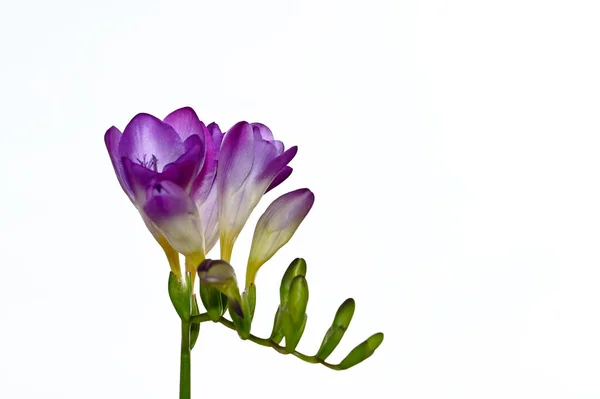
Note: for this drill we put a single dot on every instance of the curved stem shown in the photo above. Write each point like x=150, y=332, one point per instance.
x=272, y=344
x=185, y=375
x=201, y=318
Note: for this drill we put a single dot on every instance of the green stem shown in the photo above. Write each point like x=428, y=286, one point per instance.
x=185, y=375
x=271, y=344
x=200, y=318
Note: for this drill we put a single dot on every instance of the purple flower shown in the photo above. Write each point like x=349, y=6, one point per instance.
x=251, y=163
x=167, y=169
x=276, y=227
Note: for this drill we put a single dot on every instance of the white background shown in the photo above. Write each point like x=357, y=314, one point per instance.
x=452, y=147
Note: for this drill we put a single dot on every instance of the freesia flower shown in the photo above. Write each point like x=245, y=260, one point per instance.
x=167, y=169
x=194, y=185
x=251, y=163
x=276, y=227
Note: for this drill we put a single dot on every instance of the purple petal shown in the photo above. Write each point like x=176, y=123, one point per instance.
x=174, y=213
x=236, y=158
x=264, y=153
x=138, y=178
x=186, y=167
x=261, y=129
x=276, y=166
x=150, y=142
x=216, y=135
x=204, y=182
x=111, y=139
x=280, y=178
x=165, y=199
x=186, y=123
x=193, y=141
x=278, y=145
x=206, y=177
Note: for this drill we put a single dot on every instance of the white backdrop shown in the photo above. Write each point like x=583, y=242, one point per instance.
x=452, y=147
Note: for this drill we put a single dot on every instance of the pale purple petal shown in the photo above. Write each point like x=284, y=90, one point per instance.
x=280, y=178
x=150, y=142
x=276, y=227
x=210, y=218
x=263, y=130
x=174, y=213
x=287, y=211
x=278, y=145
x=186, y=123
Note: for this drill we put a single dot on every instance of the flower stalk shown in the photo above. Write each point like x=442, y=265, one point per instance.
x=185, y=376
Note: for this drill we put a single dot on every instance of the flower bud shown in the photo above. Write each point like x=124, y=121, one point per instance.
x=296, y=268
x=338, y=328
x=220, y=275
x=294, y=313
x=362, y=351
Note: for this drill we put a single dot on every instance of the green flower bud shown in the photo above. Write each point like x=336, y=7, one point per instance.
x=338, y=328
x=296, y=268
x=298, y=298
x=362, y=351
x=220, y=275
x=214, y=301
x=294, y=313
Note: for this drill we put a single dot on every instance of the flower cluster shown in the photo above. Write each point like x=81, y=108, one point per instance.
x=194, y=185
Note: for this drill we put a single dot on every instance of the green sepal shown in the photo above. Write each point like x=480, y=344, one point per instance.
x=180, y=292
x=362, y=351
x=195, y=327
x=214, y=301
x=294, y=313
x=338, y=328
x=296, y=268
